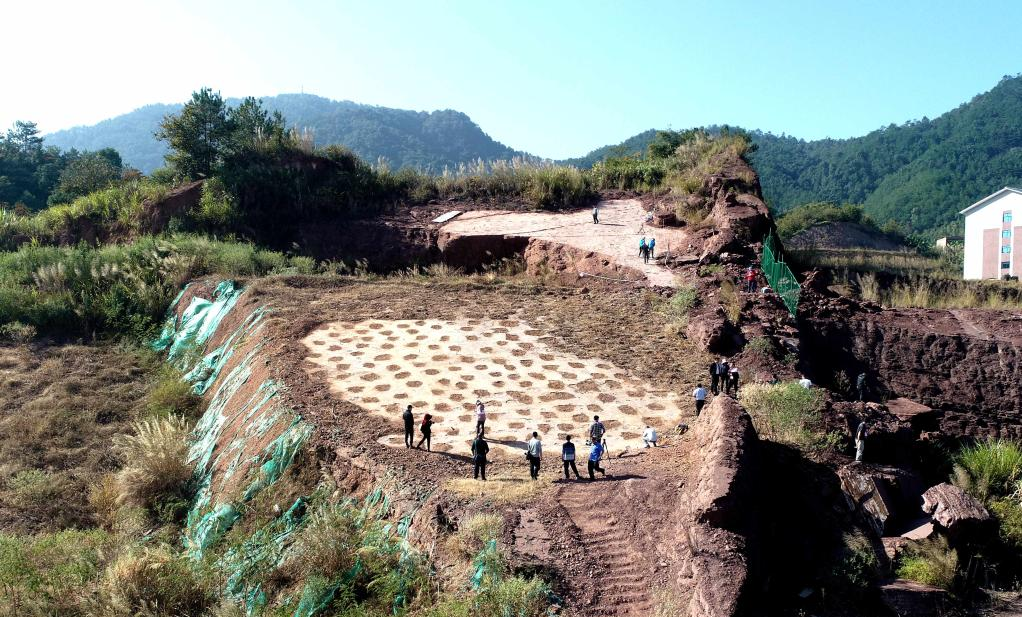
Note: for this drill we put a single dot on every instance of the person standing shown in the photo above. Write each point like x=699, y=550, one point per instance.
x=643, y=248
x=732, y=382
x=649, y=436
x=595, y=454
x=426, y=428
x=409, y=420
x=596, y=214
x=479, y=450
x=699, y=394
x=750, y=280
x=715, y=377
x=480, y=417
x=651, y=249
x=534, y=454
x=860, y=385
x=860, y=440
x=805, y=382
x=568, y=458
x=596, y=430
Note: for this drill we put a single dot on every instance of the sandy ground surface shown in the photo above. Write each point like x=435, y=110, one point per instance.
x=622, y=225
x=442, y=367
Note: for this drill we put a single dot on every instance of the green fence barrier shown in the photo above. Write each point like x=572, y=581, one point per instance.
x=778, y=274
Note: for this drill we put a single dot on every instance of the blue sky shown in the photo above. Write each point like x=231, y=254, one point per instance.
x=555, y=78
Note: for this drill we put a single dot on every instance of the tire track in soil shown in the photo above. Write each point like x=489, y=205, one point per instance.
x=618, y=568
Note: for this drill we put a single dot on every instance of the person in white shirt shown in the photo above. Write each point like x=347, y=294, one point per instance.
x=596, y=214
x=805, y=383
x=480, y=416
x=649, y=436
x=534, y=454
x=699, y=394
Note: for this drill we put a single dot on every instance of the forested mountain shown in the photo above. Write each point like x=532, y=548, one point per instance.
x=426, y=140
x=919, y=174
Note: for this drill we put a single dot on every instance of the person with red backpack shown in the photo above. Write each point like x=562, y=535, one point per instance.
x=427, y=428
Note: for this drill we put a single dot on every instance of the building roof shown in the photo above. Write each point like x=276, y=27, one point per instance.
x=989, y=198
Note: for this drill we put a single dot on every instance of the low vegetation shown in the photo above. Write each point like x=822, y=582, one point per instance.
x=119, y=290
x=930, y=562
x=786, y=413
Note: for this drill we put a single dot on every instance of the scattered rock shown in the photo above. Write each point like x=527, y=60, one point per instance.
x=954, y=509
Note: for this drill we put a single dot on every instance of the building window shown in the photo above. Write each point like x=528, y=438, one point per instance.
x=1006, y=217
x=1005, y=265
x=1006, y=233
x=1005, y=249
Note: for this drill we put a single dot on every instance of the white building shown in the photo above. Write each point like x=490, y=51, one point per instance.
x=993, y=236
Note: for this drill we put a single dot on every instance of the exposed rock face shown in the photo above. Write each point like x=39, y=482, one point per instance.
x=885, y=498
x=843, y=235
x=965, y=364
x=911, y=599
x=156, y=214
x=954, y=509
x=713, y=332
x=724, y=441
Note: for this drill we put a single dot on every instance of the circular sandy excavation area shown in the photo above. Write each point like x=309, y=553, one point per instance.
x=442, y=367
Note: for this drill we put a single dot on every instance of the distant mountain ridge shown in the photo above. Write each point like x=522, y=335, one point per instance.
x=920, y=173
x=426, y=140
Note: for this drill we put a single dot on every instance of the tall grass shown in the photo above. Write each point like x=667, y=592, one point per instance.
x=940, y=293
x=785, y=412
x=542, y=185
x=989, y=469
x=120, y=204
x=119, y=289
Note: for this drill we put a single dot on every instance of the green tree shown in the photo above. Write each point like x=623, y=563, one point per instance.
x=87, y=173
x=199, y=136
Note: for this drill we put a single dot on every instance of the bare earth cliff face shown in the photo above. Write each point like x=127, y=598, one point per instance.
x=965, y=364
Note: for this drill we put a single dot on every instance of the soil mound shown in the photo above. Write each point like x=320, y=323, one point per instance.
x=844, y=235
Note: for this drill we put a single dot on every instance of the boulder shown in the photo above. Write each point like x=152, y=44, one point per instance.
x=712, y=331
x=954, y=509
x=867, y=496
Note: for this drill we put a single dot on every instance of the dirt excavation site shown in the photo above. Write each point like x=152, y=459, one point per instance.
x=349, y=356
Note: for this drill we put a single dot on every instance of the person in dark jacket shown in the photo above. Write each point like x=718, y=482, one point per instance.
x=568, y=456
x=409, y=426
x=860, y=385
x=427, y=429
x=479, y=450
x=715, y=377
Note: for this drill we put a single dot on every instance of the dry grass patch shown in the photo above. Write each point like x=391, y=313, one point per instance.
x=502, y=488
x=62, y=407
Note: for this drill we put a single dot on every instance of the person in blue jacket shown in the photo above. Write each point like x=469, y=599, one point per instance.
x=595, y=454
x=651, y=249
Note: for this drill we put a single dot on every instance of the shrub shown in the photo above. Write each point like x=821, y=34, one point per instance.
x=1009, y=517
x=761, y=346
x=328, y=545
x=475, y=532
x=155, y=471
x=171, y=395
x=153, y=582
x=684, y=300
x=514, y=595
x=17, y=332
x=857, y=567
x=49, y=574
x=34, y=489
x=785, y=412
x=988, y=469
x=931, y=562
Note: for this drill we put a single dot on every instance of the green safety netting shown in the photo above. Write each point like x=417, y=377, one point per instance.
x=221, y=446
x=184, y=335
